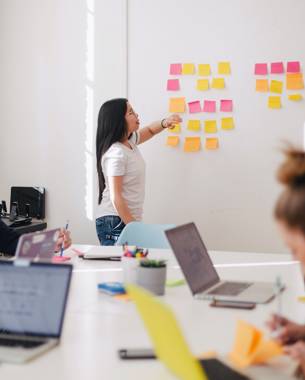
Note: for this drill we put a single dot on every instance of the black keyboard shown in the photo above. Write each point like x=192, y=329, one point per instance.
x=230, y=288
x=8, y=342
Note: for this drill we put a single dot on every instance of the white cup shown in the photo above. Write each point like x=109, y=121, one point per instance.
x=130, y=265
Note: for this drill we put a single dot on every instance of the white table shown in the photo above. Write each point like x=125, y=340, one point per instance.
x=96, y=325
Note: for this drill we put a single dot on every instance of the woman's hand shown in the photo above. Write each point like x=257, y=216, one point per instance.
x=289, y=331
x=296, y=351
x=171, y=121
x=63, y=240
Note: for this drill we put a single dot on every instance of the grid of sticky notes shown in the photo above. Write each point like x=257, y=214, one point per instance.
x=287, y=77
x=200, y=114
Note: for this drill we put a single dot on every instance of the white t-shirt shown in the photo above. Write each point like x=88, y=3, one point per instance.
x=119, y=160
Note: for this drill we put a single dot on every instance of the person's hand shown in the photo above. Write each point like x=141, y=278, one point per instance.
x=296, y=351
x=171, y=121
x=289, y=331
x=64, y=239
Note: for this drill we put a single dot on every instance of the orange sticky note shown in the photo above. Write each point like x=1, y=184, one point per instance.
x=204, y=69
x=192, y=144
x=262, y=85
x=177, y=105
x=193, y=125
x=211, y=143
x=188, y=69
x=294, y=81
x=175, y=129
x=210, y=126
x=202, y=84
x=227, y=123
x=224, y=68
x=276, y=86
x=172, y=141
x=274, y=102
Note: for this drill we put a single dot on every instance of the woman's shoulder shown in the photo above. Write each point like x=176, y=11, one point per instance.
x=115, y=150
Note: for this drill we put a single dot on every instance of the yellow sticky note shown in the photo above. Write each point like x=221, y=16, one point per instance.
x=204, y=69
x=227, y=123
x=274, y=102
x=294, y=81
x=188, y=69
x=175, y=129
x=192, y=144
x=218, y=83
x=202, y=84
x=193, y=125
x=177, y=105
x=166, y=336
x=210, y=126
x=295, y=97
x=276, y=86
x=172, y=141
x=224, y=68
x=262, y=85
x=211, y=143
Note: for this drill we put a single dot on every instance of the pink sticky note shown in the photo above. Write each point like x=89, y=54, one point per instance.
x=277, y=68
x=209, y=106
x=293, y=67
x=261, y=69
x=173, y=85
x=194, y=107
x=175, y=69
x=226, y=105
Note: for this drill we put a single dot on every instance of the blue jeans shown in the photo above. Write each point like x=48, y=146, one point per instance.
x=109, y=228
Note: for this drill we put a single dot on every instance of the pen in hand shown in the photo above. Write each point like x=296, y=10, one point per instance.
x=62, y=244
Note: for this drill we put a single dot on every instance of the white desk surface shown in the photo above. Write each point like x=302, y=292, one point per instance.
x=96, y=325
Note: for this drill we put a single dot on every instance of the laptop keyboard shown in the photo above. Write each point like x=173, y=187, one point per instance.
x=230, y=288
x=20, y=343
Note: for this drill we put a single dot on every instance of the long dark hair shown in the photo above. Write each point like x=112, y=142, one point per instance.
x=111, y=128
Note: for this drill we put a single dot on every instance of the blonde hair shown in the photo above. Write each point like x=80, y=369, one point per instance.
x=290, y=207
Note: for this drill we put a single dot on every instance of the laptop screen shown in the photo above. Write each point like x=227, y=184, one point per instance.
x=192, y=257
x=33, y=298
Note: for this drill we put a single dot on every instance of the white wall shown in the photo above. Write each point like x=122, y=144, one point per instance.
x=60, y=59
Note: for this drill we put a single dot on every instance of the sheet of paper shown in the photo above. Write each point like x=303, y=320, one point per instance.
x=210, y=126
x=188, y=69
x=293, y=67
x=274, y=102
x=162, y=327
x=277, y=68
x=202, y=84
x=175, y=129
x=204, y=69
x=226, y=105
x=261, y=69
x=218, y=83
x=209, y=106
x=211, y=143
x=227, y=123
x=295, y=97
x=173, y=85
x=177, y=105
x=224, y=68
x=172, y=141
x=192, y=144
x=193, y=125
x=276, y=86
x=294, y=81
x=194, y=107
x=175, y=69
x=262, y=85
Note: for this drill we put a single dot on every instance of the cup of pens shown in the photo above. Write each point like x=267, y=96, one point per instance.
x=132, y=255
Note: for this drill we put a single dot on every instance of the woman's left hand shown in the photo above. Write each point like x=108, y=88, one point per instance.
x=171, y=121
x=64, y=240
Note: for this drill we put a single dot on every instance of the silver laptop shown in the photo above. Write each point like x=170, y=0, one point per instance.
x=33, y=299
x=201, y=275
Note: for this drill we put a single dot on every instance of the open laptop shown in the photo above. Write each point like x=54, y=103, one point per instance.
x=201, y=275
x=170, y=345
x=33, y=299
